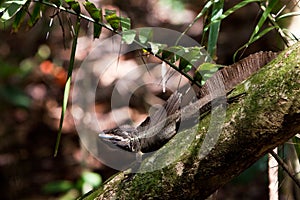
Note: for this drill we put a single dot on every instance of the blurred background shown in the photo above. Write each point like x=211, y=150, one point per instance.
x=33, y=71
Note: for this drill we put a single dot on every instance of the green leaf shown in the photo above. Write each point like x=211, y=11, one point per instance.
x=58, y=3
x=19, y=18
x=290, y=14
x=197, y=54
x=185, y=65
x=125, y=23
x=96, y=14
x=205, y=71
x=172, y=53
x=8, y=70
x=112, y=18
x=67, y=85
x=145, y=35
x=58, y=186
x=92, y=178
x=97, y=30
x=262, y=33
x=191, y=57
x=213, y=34
x=93, y=11
x=14, y=96
x=258, y=36
x=184, y=62
x=128, y=36
x=156, y=47
x=214, y=24
x=202, y=12
x=166, y=54
x=210, y=67
x=232, y=10
x=263, y=18
x=10, y=8
x=74, y=5
x=36, y=14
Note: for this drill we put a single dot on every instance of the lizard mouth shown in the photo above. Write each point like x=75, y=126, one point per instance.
x=120, y=141
x=111, y=137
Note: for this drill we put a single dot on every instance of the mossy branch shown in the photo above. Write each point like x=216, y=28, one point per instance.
x=267, y=116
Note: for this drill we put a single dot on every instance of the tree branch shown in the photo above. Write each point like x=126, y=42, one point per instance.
x=267, y=116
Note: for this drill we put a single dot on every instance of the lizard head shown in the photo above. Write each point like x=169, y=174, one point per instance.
x=123, y=137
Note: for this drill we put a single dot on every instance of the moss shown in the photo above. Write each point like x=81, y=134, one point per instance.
x=263, y=95
x=258, y=103
x=146, y=183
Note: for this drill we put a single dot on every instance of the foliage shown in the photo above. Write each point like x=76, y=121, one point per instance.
x=96, y=14
x=84, y=184
x=212, y=13
x=13, y=77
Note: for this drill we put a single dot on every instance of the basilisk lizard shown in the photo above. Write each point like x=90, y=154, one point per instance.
x=158, y=129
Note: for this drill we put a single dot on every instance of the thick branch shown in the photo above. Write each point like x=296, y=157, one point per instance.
x=267, y=116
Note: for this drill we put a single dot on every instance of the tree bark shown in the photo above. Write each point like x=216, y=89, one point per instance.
x=265, y=117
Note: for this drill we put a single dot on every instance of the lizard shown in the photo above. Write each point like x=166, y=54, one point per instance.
x=157, y=129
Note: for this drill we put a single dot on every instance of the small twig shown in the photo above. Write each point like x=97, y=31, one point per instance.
x=62, y=30
x=286, y=168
